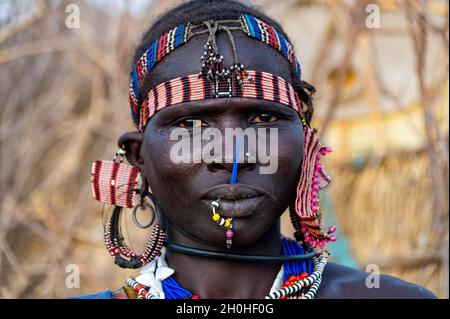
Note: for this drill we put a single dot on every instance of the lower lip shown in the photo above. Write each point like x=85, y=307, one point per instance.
x=239, y=208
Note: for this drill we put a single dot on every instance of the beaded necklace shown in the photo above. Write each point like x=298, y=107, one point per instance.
x=296, y=279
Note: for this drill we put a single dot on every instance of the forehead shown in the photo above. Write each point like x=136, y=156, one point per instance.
x=253, y=54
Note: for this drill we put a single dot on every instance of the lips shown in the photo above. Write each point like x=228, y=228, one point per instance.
x=237, y=201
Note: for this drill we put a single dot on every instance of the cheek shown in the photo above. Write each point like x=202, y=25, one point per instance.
x=160, y=169
x=290, y=153
x=173, y=184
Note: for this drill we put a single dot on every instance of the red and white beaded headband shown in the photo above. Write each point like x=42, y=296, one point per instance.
x=257, y=85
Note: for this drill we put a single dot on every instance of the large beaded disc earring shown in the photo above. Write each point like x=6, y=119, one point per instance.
x=115, y=183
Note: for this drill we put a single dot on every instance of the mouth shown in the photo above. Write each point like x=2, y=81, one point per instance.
x=236, y=201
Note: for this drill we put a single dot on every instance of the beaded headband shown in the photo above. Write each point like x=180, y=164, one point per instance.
x=259, y=85
x=212, y=61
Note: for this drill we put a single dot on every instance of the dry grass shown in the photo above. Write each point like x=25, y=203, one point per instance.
x=386, y=211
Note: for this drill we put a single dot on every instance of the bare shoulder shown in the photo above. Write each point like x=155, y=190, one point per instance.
x=341, y=282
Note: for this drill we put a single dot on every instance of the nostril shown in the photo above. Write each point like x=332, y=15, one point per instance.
x=228, y=167
x=246, y=165
x=218, y=166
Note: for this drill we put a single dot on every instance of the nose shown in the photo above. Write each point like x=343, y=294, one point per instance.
x=237, y=154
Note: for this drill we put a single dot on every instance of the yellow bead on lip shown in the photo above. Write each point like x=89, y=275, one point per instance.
x=227, y=223
x=216, y=217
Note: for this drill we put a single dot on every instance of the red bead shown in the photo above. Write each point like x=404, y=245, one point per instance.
x=195, y=297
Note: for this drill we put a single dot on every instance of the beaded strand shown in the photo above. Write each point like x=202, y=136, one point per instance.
x=303, y=281
x=158, y=49
x=315, y=277
x=264, y=32
x=312, y=179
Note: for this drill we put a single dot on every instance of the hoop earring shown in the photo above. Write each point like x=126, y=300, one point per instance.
x=143, y=204
x=123, y=255
x=305, y=213
x=114, y=183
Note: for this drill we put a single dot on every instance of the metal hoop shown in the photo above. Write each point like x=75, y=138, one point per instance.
x=136, y=222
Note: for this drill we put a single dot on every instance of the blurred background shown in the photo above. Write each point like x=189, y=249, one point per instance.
x=381, y=73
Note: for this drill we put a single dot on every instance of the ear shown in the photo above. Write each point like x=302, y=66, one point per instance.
x=131, y=142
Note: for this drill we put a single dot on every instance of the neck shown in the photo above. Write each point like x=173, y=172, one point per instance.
x=213, y=278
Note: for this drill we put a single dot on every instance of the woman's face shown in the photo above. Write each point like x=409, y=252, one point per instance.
x=185, y=190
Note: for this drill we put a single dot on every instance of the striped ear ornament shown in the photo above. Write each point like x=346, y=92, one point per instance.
x=114, y=182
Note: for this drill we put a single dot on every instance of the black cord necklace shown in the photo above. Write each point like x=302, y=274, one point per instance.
x=233, y=256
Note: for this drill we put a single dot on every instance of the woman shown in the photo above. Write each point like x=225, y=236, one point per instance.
x=218, y=220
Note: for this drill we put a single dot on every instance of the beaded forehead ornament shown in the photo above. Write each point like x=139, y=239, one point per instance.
x=216, y=81
x=212, y=61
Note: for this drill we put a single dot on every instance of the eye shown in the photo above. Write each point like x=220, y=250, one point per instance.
x=264, y=118
x=191, y=123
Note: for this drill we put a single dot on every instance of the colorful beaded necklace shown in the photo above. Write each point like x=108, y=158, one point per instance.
x=296, y=279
